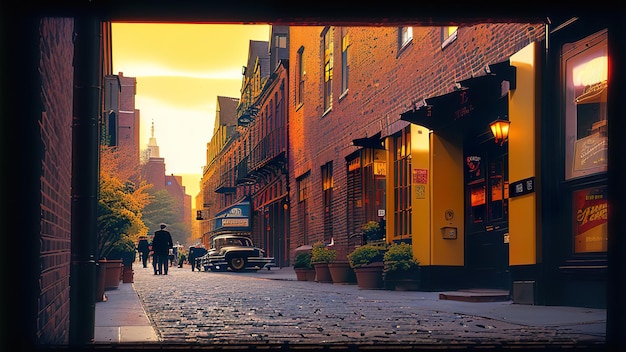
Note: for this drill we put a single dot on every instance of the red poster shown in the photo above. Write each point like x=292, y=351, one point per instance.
x=590, y=220
x=420, y=176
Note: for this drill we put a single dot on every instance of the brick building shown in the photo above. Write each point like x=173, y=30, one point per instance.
x=58, y=75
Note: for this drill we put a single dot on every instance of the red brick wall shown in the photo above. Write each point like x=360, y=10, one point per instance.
x=56, y=133
x=383, y=84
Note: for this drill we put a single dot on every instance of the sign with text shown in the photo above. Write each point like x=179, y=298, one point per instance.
x=236, y=217
x=522, y=187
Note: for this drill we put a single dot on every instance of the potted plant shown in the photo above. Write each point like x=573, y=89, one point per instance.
x=367, y=262
x=340, y=270
x=401, y=270
x=371, y=232
x=303, y=267
x=321, y=255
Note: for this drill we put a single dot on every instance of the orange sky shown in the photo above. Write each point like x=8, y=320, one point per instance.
x=180, y=71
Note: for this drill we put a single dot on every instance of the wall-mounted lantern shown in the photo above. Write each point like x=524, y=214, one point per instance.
x=500, y=130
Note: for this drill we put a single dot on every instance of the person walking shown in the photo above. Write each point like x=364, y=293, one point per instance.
x=161, y=245
x=143, y=247
x=192, y=258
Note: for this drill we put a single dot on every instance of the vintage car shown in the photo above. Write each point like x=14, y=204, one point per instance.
x=234, y=252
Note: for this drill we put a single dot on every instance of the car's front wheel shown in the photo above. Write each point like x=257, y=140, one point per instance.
x=237, y=262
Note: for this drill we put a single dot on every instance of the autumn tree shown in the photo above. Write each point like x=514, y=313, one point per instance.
x=120, y=202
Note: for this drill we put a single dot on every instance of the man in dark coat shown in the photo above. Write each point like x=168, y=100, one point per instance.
x=144, y=249
x=192, y=257
x=161, y=244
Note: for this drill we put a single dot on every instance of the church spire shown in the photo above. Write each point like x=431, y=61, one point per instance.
x=153, y=148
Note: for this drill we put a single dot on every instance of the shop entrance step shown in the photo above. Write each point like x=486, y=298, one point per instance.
x=476, y=295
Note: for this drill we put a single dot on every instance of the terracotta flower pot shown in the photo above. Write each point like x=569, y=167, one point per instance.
x=305, y=274
x=322, y=273
x=113, y=274
x=370, y=276
x=340, y=271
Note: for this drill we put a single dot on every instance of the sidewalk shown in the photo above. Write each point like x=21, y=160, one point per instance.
x=122, y=319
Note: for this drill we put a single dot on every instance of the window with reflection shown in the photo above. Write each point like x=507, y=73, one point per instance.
x=402, y=184
x=585, y=66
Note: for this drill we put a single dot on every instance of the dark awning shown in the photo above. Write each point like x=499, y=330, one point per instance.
x=470, y=98
x=373, y=142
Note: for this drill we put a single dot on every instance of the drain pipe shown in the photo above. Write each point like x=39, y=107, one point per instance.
x=85, y=174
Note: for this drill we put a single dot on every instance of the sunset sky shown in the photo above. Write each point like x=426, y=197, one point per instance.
x=180, y=71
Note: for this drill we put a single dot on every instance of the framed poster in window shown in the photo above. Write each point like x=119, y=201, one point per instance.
x=590, y=220
x=585, y=69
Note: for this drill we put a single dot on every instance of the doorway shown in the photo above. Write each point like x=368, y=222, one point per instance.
x=486, y=215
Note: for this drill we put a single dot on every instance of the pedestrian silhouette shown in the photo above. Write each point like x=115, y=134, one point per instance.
x=161, y=244
x=143, y=247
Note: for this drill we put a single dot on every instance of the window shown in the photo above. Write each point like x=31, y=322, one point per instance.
x=402, y=184
x=405, y=36
x=354, y=191
x=280, y=41
x=302, y=209
x=345, y=65
x=327, y=189
x=448, y=35
x=585, y=65
x=300, y=78
x=303, y=188
x=327, y=45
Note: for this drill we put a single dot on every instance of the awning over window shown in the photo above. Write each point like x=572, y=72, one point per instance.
x=470, y=99
x=373, y=142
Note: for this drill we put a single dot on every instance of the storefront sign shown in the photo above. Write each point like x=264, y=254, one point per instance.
x=522, y=187
x=590, y=220
x=236, y=217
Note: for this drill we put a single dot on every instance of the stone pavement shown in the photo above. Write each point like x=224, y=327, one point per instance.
x=270, y=308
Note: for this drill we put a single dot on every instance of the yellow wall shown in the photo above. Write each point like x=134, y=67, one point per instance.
x=523, y=158
x=446, y=184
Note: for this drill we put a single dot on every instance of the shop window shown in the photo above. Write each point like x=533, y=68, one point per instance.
x=488, y=194
x=590, y=216
x=327, y=189
x=354, y=192
x=402, y=184
x=585, y=66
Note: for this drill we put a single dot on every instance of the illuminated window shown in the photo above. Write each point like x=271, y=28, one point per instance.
x=585, y=65
x=327, y=189
x=405, y=36
x=448, y=35
x=402, y=184
x=327, y=45
x=345, y=65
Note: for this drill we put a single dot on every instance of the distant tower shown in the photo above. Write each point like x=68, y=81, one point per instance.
x=154, y=170
x=153, y=148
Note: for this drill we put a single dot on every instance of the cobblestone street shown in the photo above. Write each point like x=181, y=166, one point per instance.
x=245, y=308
